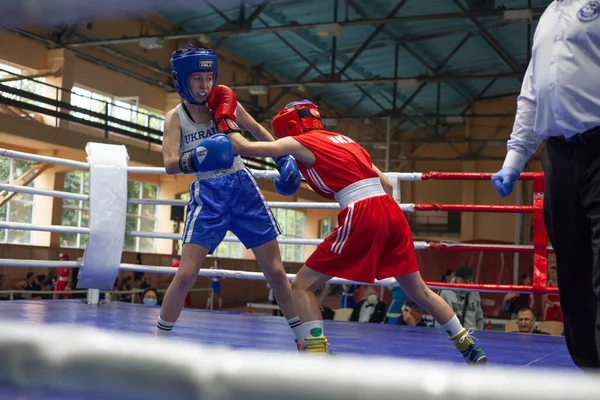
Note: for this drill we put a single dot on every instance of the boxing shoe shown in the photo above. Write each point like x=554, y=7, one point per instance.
x=467, y=347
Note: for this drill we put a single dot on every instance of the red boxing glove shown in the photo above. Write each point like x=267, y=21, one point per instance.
x=223, y=102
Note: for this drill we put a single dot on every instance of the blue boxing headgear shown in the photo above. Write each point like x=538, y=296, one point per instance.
x=188, y=61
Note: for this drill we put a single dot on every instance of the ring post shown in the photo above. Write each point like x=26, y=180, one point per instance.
x=108, y=207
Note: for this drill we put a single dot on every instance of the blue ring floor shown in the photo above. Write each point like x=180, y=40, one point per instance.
x=262, y=332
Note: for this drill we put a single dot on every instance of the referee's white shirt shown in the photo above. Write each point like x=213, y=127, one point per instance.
x=560, y=95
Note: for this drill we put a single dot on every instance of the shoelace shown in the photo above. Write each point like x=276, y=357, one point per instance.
x=469, y=333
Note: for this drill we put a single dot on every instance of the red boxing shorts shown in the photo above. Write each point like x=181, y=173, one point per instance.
x=372, y=241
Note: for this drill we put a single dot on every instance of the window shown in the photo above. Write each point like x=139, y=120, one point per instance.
x=75, y=212
x=326, y=226
x=90, y=101
x=229, y=249
x=20, y=207
x=116, y=108
x=292, y=223
x=140, y=217
x=33, y=86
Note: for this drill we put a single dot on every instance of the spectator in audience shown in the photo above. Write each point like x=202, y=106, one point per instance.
x=466, y=305
x=40, y=285
x=3, y=296
x=215, y=285
x=62, y=281
x=398, y=300
x=526, y=322
x=448, y=275
x=411, y=314
x=370, y=309
x=150, y=297
x=276, y=312
x=125, y=285
x=51, y=279
x=26, y=284
x=347, y=296
x=140, y=279
x=513, y=302
x=552, y=310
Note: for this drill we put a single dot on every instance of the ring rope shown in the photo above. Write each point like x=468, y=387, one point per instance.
x=402, y=176
x=250, y=275
x=406, y=207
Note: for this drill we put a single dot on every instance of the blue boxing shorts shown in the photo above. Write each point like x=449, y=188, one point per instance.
x=233, y=203
x=215, y=286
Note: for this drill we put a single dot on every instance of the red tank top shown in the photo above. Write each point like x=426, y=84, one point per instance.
x=339, y=162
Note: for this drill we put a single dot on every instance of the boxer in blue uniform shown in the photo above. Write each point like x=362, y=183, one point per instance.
x=224, y=196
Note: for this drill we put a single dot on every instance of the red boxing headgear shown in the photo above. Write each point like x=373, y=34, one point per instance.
x=296, y=118
x=64, y=255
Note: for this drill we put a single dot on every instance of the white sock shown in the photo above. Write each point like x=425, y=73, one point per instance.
x=295, y=324
x=310, y=329
x=453, y=327
x=163, y=328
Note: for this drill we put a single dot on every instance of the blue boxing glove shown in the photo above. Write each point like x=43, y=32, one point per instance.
x=215, y=152
x=504, y=180
x=289, y=179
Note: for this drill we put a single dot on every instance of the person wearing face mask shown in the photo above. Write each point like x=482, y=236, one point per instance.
x=150, y=297
x=370, y=309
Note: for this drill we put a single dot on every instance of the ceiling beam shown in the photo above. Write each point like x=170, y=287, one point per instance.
x=492, y=41
x=238, y=30
x=372, y=36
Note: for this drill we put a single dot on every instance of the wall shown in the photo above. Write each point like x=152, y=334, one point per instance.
x=69, y=140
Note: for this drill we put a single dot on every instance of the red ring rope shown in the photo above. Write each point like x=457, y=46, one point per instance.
x=472, y=176
x=494, y=287
x=483, y=247
x=540, y=246
x=474, y=208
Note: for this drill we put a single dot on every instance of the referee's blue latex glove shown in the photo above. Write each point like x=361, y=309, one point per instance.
x=504, y=180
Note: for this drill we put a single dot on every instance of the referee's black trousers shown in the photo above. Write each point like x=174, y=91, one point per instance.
x=572, y=217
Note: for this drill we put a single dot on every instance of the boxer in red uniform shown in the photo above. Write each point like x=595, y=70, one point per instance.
x=63, y=279
x=373, y=238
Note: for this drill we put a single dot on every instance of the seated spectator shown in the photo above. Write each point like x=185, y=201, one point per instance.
x=3, y=296
x=41, y=284
x=150, y=297
x=370, y=309
x=26, y=284
x=347, y=296
x=411, y=314
x=466, y=305
x=552, y=309
x=125, y=285
x=513, y=302
x=398, y=299
x=526, y=322
x=51, y=279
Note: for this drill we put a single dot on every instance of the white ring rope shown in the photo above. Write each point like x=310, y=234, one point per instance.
x=44, y=159
x=43, y=228
x=419, y=245
x=43, y=192
x=402, y=176
x=71, y=360
x=235, y=274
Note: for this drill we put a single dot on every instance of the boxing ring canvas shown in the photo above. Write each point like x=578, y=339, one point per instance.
x=267, y=333
x=67, y=349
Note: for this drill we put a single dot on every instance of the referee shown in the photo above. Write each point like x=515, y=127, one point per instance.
x=560, y=101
